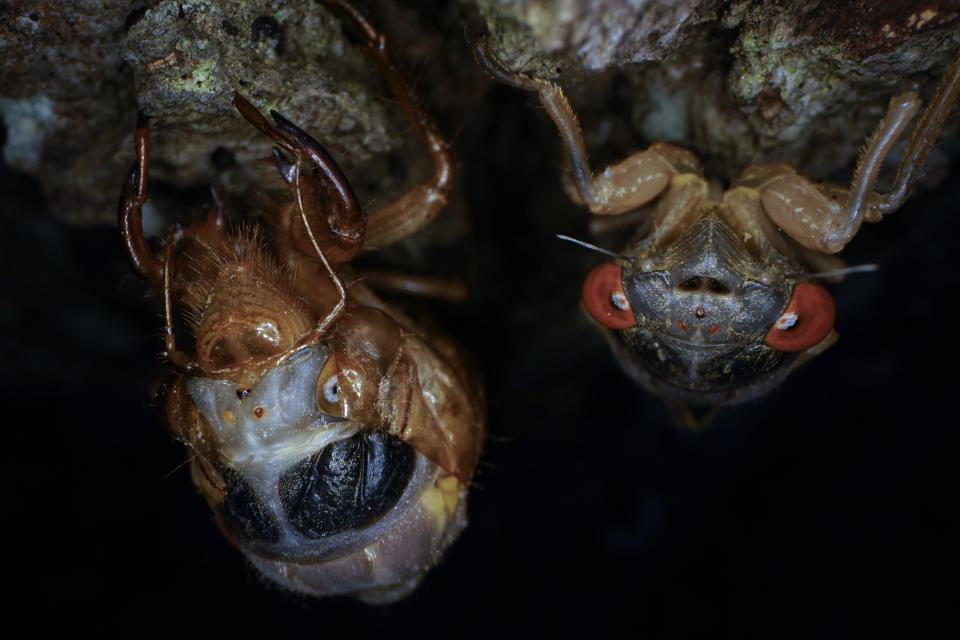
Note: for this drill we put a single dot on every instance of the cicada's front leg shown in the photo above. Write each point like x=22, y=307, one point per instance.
x=332, y=221
x=663, y=171
x=325, y=216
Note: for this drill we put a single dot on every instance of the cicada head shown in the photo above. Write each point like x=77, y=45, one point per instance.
x=705, y=321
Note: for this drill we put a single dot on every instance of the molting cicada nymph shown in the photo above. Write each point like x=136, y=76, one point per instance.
x=713, y=302
x=333, y=437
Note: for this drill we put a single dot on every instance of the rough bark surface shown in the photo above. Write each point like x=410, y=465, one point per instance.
x=71, y=110
x=737, y=82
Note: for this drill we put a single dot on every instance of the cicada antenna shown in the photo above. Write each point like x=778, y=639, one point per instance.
x=337, y=282
x=836, y=273
x=593, y=247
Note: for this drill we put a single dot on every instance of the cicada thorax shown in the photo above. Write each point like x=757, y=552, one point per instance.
x=250, y=315
x=336, y=463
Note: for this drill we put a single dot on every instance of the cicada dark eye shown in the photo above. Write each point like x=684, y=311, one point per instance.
x=605, y=299
x=806, y=321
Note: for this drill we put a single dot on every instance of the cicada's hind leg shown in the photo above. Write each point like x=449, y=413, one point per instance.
x=418, y=206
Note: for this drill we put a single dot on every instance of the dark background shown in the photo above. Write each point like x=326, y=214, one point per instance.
x=822, y=510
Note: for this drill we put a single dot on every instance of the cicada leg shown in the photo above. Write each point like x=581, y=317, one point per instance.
x=418, y=206
x=826, y=217
x=144, y=262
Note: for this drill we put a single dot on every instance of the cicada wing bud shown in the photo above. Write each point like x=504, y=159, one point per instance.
x=428, y=405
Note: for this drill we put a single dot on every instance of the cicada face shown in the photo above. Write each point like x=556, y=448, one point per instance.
x=318, y=502
x=700, y=321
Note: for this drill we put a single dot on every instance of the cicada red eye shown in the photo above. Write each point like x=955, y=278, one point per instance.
x=605, y=299
x=806, y=321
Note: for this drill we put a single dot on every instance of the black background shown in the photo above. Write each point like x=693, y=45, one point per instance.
x=822, y=510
